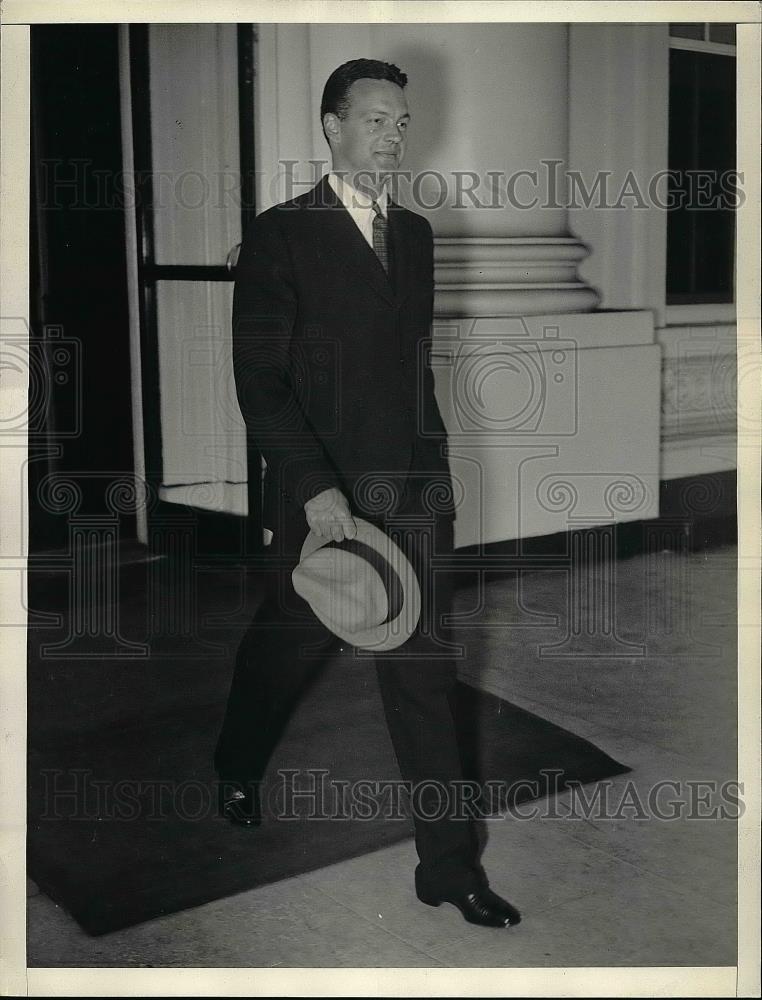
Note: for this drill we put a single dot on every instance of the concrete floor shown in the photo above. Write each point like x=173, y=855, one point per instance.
x=603, y=891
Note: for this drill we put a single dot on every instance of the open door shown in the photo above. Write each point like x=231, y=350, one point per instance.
x=189, y=93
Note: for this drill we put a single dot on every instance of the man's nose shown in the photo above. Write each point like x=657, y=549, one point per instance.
x=395, y=134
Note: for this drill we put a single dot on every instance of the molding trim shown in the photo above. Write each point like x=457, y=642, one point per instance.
x=709, y=314
x=698, y=455
x=696, y=512
x=510, y=276
x=698, y=396
x=699, y=418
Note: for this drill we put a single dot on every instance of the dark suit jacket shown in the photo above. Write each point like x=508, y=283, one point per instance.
x=330, y=375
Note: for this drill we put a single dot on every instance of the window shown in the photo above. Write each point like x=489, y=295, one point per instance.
x=702, y=155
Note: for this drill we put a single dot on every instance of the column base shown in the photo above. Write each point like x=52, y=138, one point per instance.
x=550, y=420
x=510, y=276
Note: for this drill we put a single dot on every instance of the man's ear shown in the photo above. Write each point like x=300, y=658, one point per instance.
x=332, y=126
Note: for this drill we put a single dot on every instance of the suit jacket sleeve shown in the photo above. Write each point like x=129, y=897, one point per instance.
x=265, y=307
x=434, y=443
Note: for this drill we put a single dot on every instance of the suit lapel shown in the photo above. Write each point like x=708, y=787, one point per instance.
x=341, y=240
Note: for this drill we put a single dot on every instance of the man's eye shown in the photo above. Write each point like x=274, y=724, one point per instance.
x=402, y=125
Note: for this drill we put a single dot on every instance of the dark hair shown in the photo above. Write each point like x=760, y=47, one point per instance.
x=335, y=93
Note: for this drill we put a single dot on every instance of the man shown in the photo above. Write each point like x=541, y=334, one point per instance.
x=333, y=296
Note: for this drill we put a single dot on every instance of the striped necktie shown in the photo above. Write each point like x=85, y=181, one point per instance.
x=381, y=236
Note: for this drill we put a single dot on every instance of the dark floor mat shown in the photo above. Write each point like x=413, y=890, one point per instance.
x=123, y=825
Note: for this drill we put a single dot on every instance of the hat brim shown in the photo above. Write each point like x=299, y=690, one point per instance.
x=393, y=633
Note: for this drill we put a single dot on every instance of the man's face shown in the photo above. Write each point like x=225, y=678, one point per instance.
x=370, y=140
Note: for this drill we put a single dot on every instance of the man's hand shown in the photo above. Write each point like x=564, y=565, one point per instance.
x=328, y=515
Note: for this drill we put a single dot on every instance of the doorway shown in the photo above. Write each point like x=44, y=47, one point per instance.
x=189, y=93
x=131, y=278
x=80, y=422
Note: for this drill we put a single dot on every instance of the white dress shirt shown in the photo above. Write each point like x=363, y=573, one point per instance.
x=358, y=204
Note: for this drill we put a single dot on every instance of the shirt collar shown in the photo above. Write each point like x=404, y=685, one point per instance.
x=353, y=199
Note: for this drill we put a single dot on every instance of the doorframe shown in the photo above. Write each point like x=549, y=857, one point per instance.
x=133, y=286
x=234, y=534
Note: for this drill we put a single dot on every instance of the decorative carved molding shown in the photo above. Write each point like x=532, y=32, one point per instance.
x=698, y=395
x=510, y=276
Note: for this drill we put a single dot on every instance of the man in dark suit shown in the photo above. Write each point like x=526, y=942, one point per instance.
x=333, y=299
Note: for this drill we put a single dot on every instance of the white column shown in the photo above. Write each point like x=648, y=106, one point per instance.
x=483, y=97
x=489, y=110
x=618, y=117
x=486, y=157
x=283, y=118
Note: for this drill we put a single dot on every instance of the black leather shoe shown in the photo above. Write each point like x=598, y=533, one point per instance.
x=480, y=906
x=240, y=804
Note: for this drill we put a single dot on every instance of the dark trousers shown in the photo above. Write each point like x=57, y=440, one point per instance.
x=416, y=681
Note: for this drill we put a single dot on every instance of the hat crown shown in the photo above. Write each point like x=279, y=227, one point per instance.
x=343, y=588
x=364, y=589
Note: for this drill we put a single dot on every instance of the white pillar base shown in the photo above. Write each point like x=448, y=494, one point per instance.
x=551, y=420
x=510, y=276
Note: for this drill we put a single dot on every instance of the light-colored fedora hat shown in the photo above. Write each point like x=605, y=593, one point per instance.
x=363, y=589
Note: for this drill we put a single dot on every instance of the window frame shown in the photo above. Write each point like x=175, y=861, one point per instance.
x=704, y=312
